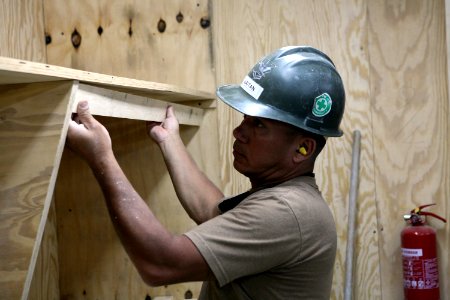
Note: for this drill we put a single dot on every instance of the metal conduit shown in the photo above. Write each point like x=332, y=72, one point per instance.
x=352, y=212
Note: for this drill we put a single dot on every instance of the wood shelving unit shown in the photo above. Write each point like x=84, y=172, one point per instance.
x=36, y=103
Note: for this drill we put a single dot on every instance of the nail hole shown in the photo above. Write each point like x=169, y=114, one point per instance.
x=180, y=17
x=205, y=23
x=148, y=297
x=130, y=29
x=76, y=39
x=188, y=295
x=48, y=39
x=161, y=25
x=100, y=30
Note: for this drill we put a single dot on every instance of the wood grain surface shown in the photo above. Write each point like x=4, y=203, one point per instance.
x=45, y=281
x=22, y=30
x=410, y=125
x=32, y=134
x=161, y=41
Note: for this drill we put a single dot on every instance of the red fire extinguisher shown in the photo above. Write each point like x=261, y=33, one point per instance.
x=419, y=256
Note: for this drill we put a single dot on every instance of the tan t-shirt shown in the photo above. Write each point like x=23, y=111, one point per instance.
x=278, y=243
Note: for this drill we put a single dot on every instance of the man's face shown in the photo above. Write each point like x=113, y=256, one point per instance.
x=263, y=148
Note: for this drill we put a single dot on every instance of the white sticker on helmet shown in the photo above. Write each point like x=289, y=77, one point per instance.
x=251, y=87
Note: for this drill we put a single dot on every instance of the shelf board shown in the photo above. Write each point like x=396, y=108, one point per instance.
x=110, y=103
x=20, y=71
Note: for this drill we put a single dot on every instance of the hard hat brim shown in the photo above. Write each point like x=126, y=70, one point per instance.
x=236, y=97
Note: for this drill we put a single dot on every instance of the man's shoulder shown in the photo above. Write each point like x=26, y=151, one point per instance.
x=296, y=188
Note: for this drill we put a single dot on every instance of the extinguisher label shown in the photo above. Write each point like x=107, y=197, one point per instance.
x=411, y=252
x=418, y=272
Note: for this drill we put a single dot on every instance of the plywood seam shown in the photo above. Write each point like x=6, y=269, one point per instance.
x=445, y=284
x=45, y=26
x=375, y=195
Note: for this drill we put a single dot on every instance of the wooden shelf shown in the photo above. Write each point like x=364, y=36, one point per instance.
x=20, y=71
x=36, y=104
x=110, y=103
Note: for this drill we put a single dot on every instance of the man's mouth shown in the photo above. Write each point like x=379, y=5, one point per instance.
x=236, y=151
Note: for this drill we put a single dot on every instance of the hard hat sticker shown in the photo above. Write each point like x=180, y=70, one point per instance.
x=322, y=105
x=251, y=87
x=262, y=70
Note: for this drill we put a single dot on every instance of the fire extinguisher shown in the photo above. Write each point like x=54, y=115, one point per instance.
x=419, y=256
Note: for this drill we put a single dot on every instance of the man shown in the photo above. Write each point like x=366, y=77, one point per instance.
x=275, y=241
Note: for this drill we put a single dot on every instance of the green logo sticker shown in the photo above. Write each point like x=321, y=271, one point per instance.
x=322, y=105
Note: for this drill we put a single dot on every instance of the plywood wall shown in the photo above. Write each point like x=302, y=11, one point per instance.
x=22, y=30
x=163, y=41
x=392, y=55
x=409, y=98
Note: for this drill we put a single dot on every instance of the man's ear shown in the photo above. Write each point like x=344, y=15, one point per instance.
x=306, y=148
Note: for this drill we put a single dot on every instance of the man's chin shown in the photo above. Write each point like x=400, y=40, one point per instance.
x=240, y=168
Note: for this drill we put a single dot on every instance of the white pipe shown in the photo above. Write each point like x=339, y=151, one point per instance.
x=353, y=194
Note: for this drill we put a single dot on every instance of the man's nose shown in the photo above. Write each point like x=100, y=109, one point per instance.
x=239, y=133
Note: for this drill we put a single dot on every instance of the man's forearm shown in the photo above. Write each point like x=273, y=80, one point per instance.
x=160, y=257
x=138, y=229
x=198, y=195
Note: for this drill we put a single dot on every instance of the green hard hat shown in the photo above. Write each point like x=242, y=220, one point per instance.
x=298, y=85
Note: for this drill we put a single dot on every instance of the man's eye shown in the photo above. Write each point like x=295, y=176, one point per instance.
x=258, y=122
x=255, y=121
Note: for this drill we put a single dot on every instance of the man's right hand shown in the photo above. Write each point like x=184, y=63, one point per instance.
x=87, y=137
x=198, y=195
x=161, y=132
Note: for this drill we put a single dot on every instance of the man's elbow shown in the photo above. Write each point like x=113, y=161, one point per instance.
x=153, y=282
x=161, y=276
x=156, y=277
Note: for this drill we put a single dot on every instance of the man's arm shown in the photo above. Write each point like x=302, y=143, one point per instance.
x=198, y=195
x=160, y=257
